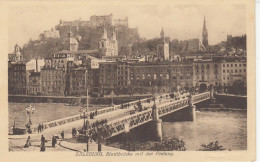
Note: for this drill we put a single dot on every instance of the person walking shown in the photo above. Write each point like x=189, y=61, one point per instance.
x=54, y=141
x=62, y=135
x=39, y=128
x=42, y=127
x=28, y=142
x=42, y=140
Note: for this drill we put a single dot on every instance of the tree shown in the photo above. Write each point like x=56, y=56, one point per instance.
x=212, y=146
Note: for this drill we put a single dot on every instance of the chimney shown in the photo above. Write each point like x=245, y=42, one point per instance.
x=36, y=65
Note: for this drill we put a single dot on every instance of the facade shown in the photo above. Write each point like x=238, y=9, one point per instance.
x=237, y=42
x=52, y=81
x=108, y=47
x=233, y=71
x=34, y=84
x=121, y=22
x=160, y=77
x=107, y=77
x=95, y=21
x=16, y=55
x=193, y=46
x=206, y=73
x=16, y=78
x=129, y=78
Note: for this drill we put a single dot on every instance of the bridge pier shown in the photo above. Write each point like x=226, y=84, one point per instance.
x=212, y=98
x=156, y=124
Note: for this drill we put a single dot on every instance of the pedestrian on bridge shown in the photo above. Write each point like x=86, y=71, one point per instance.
x=62, y=135
x=42, y=140
x=54, y=141
x=39, y=128
x=42, y=127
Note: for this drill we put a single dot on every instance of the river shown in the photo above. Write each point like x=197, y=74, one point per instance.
x=44, y=112
x=228, y=128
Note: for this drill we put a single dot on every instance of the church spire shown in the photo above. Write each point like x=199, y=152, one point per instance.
x=205, y=35
x=162, y=33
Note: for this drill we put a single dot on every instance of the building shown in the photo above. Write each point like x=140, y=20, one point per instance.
x=16, y=78
x=232, y=72
x=16, y=55
x=95, y=21
x=206, y=73
x=144, y=77
x=163, y=51
x=108, y=47
x=107, y=77
x=160, y=77
x=193, y=46
x=121, y=22
x=51, y=33
x=237, y=42
x=52, y=81
x=205, y=36
x=34, y=84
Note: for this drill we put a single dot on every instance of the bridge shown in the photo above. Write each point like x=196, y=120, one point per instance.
x=155, y=112
x=120, y=121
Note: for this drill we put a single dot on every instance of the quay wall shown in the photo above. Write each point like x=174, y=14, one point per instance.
x=228, y=101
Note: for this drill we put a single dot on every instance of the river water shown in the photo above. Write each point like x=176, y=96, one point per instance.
x=228, y=128
x=44, y=112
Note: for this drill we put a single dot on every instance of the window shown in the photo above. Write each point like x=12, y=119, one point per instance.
x=235, y=71
x=224, y=71
x=224, y=78
x=244, y=70
x=240, y=70
x=227, y=78
x=154, y=76
x=227, y=65
x=239, y=65
x=235, y=65
x=227, y=71
x=231, y=65
x=231, y=71
x=167, y=76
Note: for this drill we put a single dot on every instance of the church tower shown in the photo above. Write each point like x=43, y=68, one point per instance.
x=205, y=35
x=104, y=45
x=70, y=43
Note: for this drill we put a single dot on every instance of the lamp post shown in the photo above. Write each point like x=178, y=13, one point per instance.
x=30, y=110
x=87, y=125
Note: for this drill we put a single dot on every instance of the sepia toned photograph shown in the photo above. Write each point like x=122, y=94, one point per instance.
x=128, y=78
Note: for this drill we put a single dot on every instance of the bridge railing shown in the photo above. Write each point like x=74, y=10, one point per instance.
x=140, y=118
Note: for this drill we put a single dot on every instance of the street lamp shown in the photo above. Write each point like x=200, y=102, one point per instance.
x=30, y=110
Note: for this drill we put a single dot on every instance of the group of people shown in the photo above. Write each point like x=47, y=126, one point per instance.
x=43, y=141
x=40, y=128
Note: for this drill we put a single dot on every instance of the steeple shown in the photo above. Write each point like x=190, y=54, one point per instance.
x=205, y=35
x=162, y=33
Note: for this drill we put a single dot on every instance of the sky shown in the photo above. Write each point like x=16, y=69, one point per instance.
x=179, y=21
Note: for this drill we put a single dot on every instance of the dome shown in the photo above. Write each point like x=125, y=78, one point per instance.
x=70, y=41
